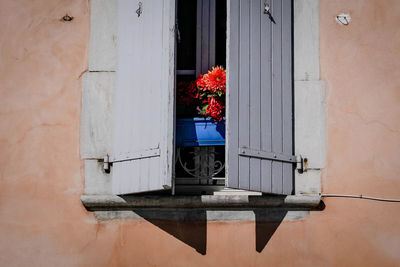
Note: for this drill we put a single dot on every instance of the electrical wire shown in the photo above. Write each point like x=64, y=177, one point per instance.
x=361, y=197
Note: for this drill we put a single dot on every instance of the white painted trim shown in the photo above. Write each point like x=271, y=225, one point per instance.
x=306, y=40
x=103, y=35
x=309, y=96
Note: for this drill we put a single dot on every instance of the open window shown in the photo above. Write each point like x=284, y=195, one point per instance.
x=200, y=139
x=164, y=43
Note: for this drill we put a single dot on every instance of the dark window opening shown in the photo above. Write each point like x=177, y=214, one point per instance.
x=200, y=140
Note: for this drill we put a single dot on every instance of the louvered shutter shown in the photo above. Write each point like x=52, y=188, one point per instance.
x=259, y=99
x=144, y=97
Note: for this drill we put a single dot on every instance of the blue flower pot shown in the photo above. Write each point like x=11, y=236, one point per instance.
x=200, y=132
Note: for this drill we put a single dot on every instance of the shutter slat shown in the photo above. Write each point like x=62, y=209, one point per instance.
x=244, y=93
x=261, y=79
x=287, y=94
x=232, y=99
x=277, y=141
x=266, y=93
x=255, y=93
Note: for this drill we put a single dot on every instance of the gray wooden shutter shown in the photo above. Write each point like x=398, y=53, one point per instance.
x=259, y=98
x=144, y=97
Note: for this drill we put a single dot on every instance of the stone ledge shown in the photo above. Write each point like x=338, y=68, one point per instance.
x=114, y=202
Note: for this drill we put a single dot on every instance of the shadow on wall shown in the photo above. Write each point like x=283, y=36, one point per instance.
x=267, y=221
x=190, y=225
x=187, y=225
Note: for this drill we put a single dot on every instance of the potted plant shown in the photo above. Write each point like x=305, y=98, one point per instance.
x=204, y=100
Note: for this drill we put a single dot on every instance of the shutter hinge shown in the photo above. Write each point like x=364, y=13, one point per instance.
x=301, y=163
x=108, y=160
x=253, y=153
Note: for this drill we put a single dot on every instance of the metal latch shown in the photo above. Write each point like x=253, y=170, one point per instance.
x=106, y=164
x=267, y=11
x=302, y=164
x=139, y=10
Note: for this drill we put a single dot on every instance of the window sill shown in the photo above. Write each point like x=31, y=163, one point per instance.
x=114, y=202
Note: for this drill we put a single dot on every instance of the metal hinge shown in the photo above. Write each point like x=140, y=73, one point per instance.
x=108, y=160
x=253, y=153
x=301, y=163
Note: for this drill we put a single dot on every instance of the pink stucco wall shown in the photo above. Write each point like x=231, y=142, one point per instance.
x=43, y=223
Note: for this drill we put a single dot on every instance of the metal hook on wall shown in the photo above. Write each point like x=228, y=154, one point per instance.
x=67, y=18
x=343, y=19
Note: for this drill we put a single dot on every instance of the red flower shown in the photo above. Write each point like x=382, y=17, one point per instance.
x=215, y=80
x=200, y=82
x=214, y=109
x=207, y=92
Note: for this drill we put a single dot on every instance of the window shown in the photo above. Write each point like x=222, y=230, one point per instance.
x=146, y=122
x=259, y=104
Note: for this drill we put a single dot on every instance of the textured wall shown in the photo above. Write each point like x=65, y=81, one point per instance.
x=41, y=60
x=360, y=64
x=43, y=223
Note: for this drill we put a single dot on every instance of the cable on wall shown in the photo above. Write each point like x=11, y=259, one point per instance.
x=361, y=197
